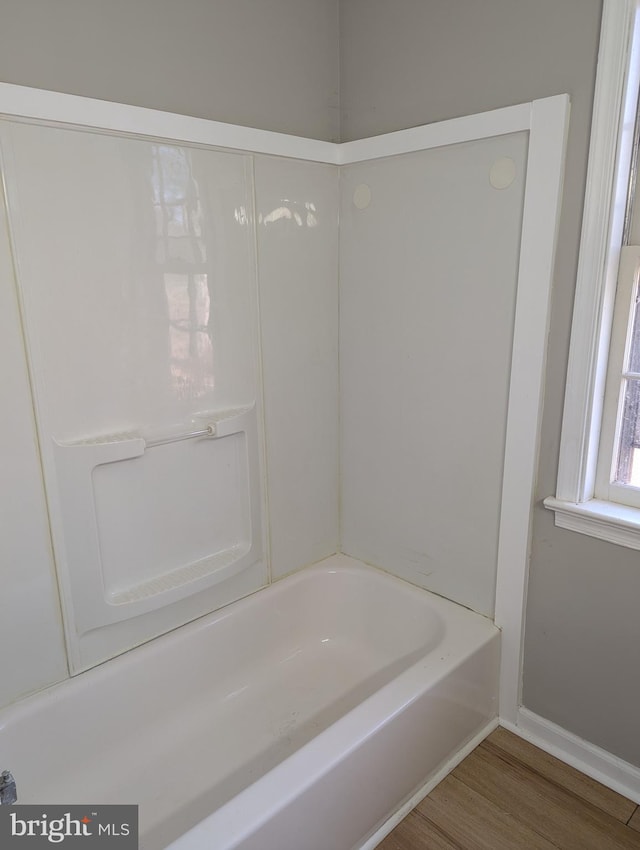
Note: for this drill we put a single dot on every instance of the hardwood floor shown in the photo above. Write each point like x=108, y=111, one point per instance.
x=509, y=795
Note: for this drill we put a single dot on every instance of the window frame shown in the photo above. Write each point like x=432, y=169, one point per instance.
x=624, y=313
x=579, y=504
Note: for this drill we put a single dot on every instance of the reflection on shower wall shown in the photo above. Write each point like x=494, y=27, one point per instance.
x=136, y=267
x=180, y=240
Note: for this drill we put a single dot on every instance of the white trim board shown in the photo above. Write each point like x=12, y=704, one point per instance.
x=498, y=122
x=23, y=103
x=593, y=761
x=542, y=202
x=547, y=121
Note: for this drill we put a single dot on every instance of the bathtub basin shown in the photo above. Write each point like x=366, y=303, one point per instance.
x=300, y=718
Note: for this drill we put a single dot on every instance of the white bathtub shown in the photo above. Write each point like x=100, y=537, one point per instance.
x=300, y=718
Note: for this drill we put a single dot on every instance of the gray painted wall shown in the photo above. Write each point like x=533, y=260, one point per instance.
x=271, y=64
x=412, y=62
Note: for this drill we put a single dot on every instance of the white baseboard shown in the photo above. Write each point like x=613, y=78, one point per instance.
x=595, y=762
x=429, y=785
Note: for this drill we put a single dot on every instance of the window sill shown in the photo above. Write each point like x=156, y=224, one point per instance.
x=606, y=520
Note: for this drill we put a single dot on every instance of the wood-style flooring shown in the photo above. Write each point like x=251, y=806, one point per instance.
x=509, y=795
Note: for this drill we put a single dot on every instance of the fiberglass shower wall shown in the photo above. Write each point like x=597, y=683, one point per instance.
x=168, y=289
x=429, y=249
x=124, y=249
x=136, y=264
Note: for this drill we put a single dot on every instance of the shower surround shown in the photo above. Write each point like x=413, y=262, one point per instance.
x=179, y=300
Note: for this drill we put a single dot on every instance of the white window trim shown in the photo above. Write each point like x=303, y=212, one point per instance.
x=616, y=95
x=607, y=485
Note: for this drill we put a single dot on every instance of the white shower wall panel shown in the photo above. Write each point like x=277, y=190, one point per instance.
x=30, y=625
x=135, y=261
x=429, y=254
x=297, y=231
x=132, y=257
x=137, y=268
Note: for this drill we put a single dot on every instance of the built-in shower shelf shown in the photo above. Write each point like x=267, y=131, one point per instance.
x=152, y=516
x=216, y=567
x=203, y=425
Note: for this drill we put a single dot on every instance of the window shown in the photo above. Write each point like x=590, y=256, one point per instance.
x=618, y=473
x=598, y=490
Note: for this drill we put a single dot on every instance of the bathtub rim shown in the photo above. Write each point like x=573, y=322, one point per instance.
x=300, y=770
x=338, y=562
x=351, y=731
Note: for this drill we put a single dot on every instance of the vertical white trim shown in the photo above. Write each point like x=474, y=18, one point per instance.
x=547, y=143
x=599, y=247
